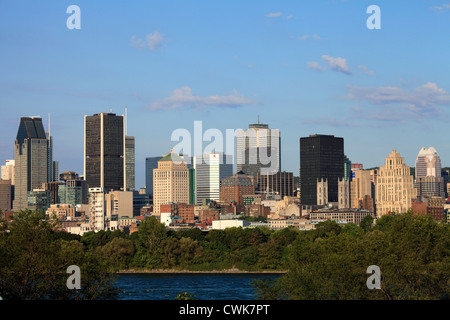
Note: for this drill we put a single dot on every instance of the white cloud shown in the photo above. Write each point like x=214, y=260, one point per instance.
x=423, y=101
x=307, y=36
x=365, y=69
x=153, y=41
x=337, y=64
x=273, y=15
x=441, y=8
x=184, y=97
x=315, y=66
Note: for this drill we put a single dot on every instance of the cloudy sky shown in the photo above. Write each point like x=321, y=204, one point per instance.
x=304, y=67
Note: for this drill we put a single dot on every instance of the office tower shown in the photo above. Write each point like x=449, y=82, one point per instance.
x=5, y=196
x=321, y=157
x=280, y=183
x=361, y=188
x=235, y=187
x=191, y=185
x=104, y=151
x=210, y=170
x=258, y=149
x=170, y=181
x=55, y=171
x=31, y=160
x=395, y=186
x=8, y=171
x=429, y=180
x=151, y=163
x=74, y=190
x=130, y=163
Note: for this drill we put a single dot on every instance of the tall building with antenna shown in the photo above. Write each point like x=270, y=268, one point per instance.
x=130, y=158
x=258, y=150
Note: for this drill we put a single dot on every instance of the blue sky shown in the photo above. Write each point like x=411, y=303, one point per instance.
x=304, y=67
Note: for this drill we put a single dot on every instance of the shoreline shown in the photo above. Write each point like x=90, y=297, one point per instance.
x=176, y=271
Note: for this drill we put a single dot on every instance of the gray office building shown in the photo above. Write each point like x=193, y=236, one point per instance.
x=31, y=152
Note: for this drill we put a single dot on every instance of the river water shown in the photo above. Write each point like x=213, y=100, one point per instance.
x=203, y=286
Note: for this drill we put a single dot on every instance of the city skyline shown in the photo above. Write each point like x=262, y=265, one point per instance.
x=305, y=68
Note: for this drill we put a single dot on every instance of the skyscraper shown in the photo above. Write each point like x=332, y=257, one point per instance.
x=31, y=151
x=395, y=186
x=321, y=157
x=170, y=181
x=258, y=149
x=130, y=163
x=150, y=164
x=429, y=180
x=104, y=151
x=210, y=170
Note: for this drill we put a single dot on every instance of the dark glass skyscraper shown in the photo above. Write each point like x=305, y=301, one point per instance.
x=321, y=157
x=104, y=151
x=31, y=152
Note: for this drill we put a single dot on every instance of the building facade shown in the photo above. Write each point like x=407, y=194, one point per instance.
x=321, y=157
x=258, y=150
x=170, y=181
x=395, y=186
x=104, y=151
x=234, y=188
x=210, y=170
x=31, y=150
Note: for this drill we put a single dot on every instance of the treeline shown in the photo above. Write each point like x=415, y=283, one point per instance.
x=329, y=262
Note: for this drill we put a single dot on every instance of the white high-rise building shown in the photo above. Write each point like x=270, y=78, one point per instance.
x=428, y=163
x=258, y=149
x=97, y=208
x=210, y=170
x=429, y=181
x=8, y=171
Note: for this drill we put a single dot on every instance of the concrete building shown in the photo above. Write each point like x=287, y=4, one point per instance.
x=361, y=187
x=8, y=171
x=258, y=150
x=61, y=211
x=5, y=196
x=119, y=204
x=31, y=150
x=130, y=163
x=97, y=214
x=170, y=181
x=395, y=186
x=229, y=223
x=341, y=215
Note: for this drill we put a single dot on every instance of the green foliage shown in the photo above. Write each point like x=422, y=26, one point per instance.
x=185, y=296
x=34, y=259
x=413, y=254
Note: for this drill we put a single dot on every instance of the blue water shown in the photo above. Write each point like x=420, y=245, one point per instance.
x=202, y=286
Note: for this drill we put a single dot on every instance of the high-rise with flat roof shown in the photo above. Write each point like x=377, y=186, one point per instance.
x=170, y=181
x=130, y=163
x=31, y=150
x=210, y=170
x=104, y=151
x=321, y=157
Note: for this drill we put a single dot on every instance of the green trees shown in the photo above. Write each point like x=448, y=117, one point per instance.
x=413, y=254
x=34, y=259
